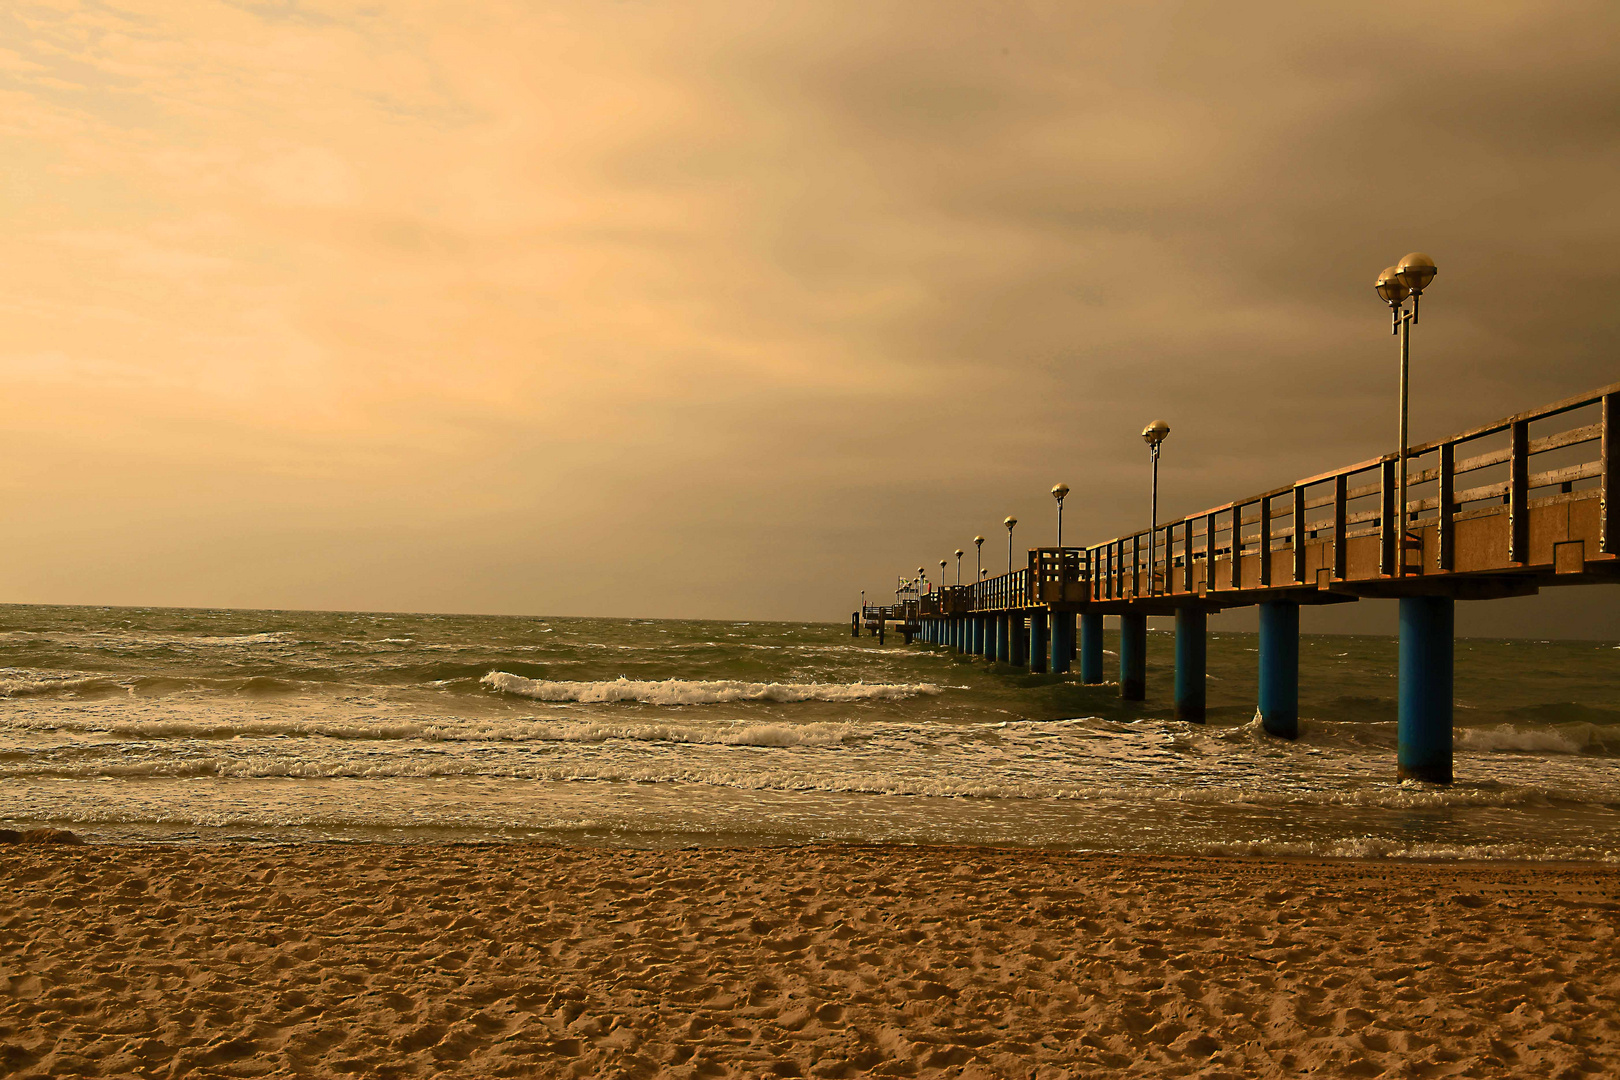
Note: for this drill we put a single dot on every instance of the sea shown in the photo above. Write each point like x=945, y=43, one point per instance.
x=153, y=724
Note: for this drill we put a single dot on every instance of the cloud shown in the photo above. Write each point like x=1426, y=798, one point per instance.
x=739, y=288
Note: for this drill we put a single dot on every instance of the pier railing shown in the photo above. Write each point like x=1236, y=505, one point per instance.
x=1536, y=489
x=1529, y=500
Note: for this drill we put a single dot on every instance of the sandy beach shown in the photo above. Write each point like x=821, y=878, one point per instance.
x=826, y=961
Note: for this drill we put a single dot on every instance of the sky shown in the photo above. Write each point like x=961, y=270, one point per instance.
x=735, y=309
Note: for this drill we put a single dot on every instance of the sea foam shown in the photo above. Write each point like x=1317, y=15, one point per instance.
x=698, y=692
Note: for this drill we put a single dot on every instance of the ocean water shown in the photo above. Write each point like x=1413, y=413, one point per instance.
x=125, y=723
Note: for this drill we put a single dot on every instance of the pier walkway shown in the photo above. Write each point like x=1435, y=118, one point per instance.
x=1507, y=509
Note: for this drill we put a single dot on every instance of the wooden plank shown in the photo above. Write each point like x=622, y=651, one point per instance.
x=1519, y=494
x=1446, y=504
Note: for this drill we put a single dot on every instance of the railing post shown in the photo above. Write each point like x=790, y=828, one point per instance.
x=1519, y=494
x=1446, y=493
x=1237, y=546
x=1341, y=490
x=1609, y=498
x=1388, y=526
x=1187, y=555
x=1265, y=541
x=1299, y=534
x=1136, y=565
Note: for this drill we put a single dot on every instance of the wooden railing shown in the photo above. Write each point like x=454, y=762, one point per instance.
x=1574, y=441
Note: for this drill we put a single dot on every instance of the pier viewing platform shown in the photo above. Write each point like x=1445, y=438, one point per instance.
x=1507, y=509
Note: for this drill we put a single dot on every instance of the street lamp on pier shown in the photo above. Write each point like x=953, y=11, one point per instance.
x=1405, y=280
x=978, y=546
x=942, y=574
x=1011, y=523
x=1154, y=435
x=958, y=567
x=1058, y=491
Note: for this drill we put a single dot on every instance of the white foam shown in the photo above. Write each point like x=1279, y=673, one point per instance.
x=44, y=683
x=699, y=692
x=1576, y=738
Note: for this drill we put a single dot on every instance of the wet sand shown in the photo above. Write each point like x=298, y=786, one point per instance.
x=827, y=961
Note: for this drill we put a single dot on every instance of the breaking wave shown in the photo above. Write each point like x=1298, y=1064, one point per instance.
x=1580, y=738
x=699, y=692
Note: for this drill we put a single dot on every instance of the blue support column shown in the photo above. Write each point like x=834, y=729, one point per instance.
x=1091, y=648
x=1279, y=669
x=1039, y=642
x=1004, y=638
x=978, y=635
x=1423, y=738
x=1017, y=640
x=1133, y=657
x=1191, y=623
x=1061, y=652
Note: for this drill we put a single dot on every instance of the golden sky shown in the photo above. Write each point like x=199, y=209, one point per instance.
x=732, y=309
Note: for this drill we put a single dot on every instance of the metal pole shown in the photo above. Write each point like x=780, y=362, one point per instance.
x=1153, y=532
x=1060, y=524
x=1009, y=551
x=1400, y=498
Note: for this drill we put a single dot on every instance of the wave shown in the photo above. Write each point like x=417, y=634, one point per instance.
x=1577, y=738
x=458, y=731
x=35, y=683
x=699, y=692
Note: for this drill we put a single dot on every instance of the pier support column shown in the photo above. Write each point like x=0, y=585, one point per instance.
x=1062, y=642
x=1423, y=737
x=1279, y=669
x=1191, y=623
x=1004, y=637
x=978, y=635
x=1017, y=640
x=1132, y=657
x=1039, y=641
x=1091, y=648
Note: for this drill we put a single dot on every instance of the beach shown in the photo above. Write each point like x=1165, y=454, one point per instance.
x=823, y=960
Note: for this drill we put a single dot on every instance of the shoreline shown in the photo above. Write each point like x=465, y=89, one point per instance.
x=829, y=960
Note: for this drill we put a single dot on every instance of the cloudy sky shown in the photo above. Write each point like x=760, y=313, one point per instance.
x=734, y=309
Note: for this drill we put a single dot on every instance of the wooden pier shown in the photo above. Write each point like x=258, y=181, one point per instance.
x=1507, y=509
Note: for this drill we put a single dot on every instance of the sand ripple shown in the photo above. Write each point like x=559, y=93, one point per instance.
x=815, y=961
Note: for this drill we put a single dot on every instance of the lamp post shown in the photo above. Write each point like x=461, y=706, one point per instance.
x=1011, y=523
x=942, y=574
x=1154, y=435
x=958, y=567
x=1405, y=280
x=978, y=546
x=1058, y=491
x=922, y=579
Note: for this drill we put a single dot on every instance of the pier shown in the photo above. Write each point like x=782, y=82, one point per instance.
x=1525, y=503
